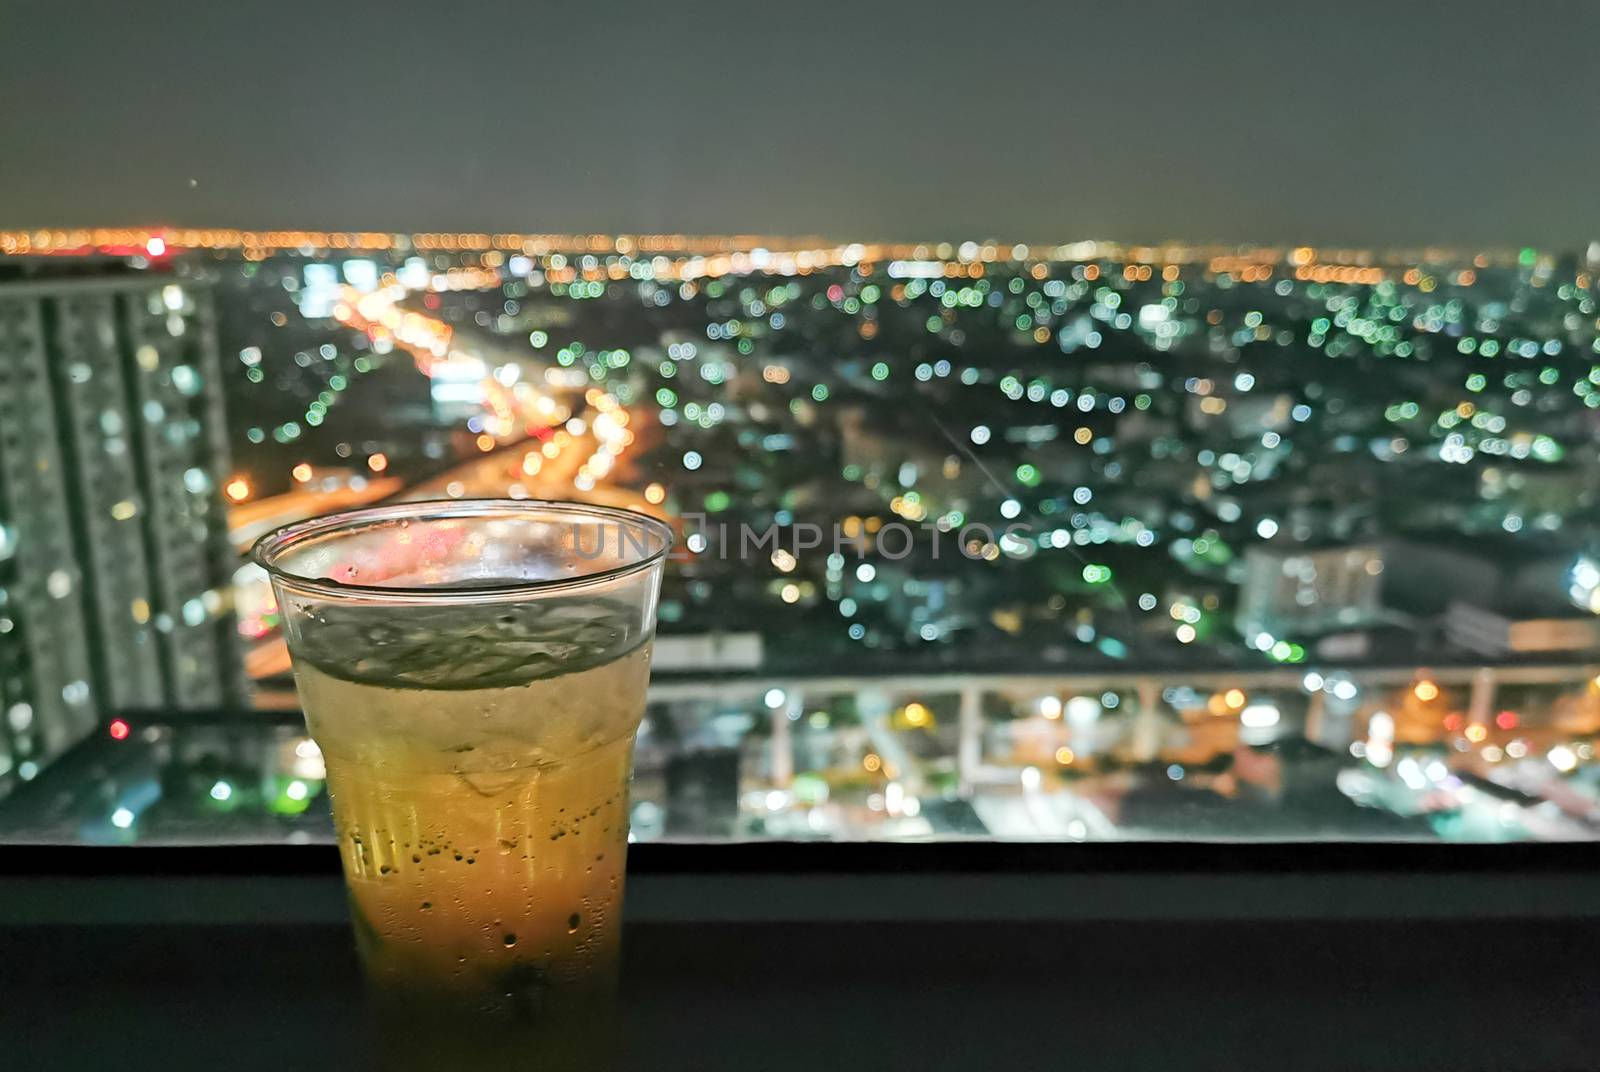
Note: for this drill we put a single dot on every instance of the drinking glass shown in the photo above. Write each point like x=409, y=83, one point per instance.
x=474, y=673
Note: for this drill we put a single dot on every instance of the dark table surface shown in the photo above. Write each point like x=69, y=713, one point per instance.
x=1508, y=995
x=877, y=970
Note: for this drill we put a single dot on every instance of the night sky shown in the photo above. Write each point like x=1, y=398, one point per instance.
x=1360, y=123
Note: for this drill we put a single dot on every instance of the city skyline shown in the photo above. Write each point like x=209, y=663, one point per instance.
x=1051, y=541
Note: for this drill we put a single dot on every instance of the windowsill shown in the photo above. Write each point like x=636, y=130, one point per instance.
x=943, y=956
x=811, y=882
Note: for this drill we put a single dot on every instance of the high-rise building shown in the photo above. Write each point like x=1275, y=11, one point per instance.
x=114, y=558
x=1302, y=592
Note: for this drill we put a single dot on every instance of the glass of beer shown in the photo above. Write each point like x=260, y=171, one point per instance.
x=474, y=673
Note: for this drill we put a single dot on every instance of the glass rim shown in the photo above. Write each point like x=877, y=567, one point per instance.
x=270, y=547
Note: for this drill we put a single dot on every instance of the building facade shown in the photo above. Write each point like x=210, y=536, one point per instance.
x=1308, y=592
x=114, y=561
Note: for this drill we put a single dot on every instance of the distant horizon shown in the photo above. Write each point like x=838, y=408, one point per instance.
x=745, y=241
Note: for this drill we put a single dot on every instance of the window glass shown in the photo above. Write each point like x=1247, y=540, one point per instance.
x=1000, y=511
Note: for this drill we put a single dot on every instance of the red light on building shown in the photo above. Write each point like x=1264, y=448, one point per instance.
x=1506, y=720
x=119, y=730
x=1452, y=722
